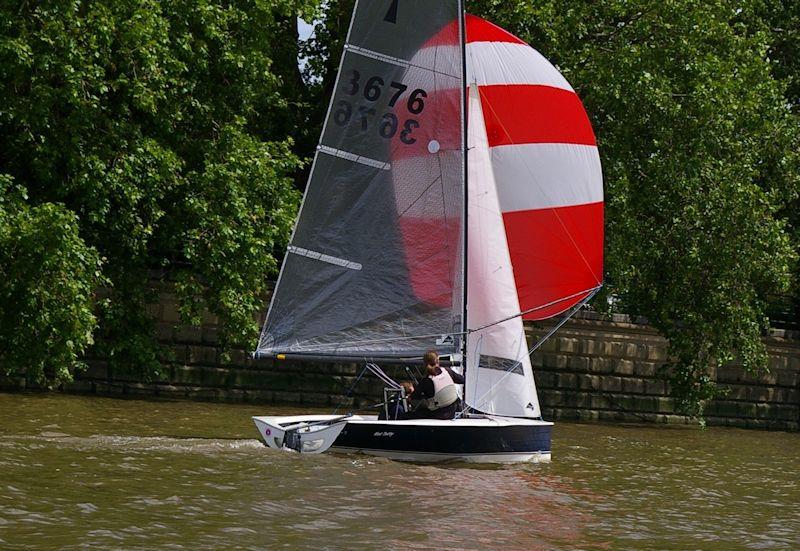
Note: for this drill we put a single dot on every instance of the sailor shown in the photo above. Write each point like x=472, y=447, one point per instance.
x=437, y=393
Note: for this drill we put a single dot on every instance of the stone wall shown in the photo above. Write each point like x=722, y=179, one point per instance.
x=610, y=370
x=592, y=369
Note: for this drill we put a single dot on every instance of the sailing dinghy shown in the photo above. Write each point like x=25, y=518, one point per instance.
x=455, y=192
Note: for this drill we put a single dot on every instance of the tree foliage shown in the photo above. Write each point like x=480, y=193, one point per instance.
x=700, y=158
x=48, y=275
x=168, y=138
x=159, y=136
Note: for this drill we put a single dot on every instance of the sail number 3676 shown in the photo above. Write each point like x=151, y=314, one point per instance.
x=372, y=90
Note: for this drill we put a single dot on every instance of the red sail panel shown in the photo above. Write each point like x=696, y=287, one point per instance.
x=480, y=30
x=426, y=142
x=524, y=113
x=556, y=253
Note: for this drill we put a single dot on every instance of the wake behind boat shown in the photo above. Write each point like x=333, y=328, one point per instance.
x=419, y=232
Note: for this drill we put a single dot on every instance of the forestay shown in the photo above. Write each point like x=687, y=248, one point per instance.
x=375, y=265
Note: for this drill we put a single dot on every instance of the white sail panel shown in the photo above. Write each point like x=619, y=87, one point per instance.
x=499, y=375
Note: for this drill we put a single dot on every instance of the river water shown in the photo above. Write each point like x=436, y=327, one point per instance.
x=89, y=472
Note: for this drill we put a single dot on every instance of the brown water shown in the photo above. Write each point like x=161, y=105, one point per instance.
x=104, y=473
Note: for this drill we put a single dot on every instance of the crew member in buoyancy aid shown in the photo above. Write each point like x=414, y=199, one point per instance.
x=437, y=393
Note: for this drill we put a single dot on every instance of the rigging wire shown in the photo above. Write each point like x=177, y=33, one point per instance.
x=533, y=349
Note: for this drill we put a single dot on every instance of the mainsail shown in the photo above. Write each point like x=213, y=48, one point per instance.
x=375, y=264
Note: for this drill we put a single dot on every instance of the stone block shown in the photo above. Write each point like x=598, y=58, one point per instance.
x=207, y=318
x=545, y=379
x=743, y=392
x=169, y=312
x=219, y=377
x=255, y=379
x=568, y=380
x=79, y=387
x=779, y=412
x=664, y=405
x=611, y=384
x=586, y=346
x=549, y=345
x=567, y=345
x=624, y=367
x=786, y=377
x=154, y=310
x=171, y=391
x=645, y=369
x=96, y=370
x=655, y=387
x=189, y=334
x=353, y=369
x=176, y=353
x=12, y=382
x=238, y=358
x=554, y=361
x=632, y=385
x=259, y=396
x=601, y=365
x=288, y=397
x=656, y=353
x=597, y=401
x=758, y=424
x=205, y=394
x=164, y=332
x=210, y=334
x=202, y=355
x=589, y=382
x=788, y=396
x=778, y=362
x=139, y=389
x=731, y=374
x=614, y=416
x=232, y=395
x=645, y=404
x=185, y=375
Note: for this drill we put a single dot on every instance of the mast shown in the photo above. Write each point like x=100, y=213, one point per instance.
x=464, y=99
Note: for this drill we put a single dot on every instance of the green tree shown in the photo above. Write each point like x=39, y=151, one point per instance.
x=700, y=155
x=161, y=128
x=48, y=276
